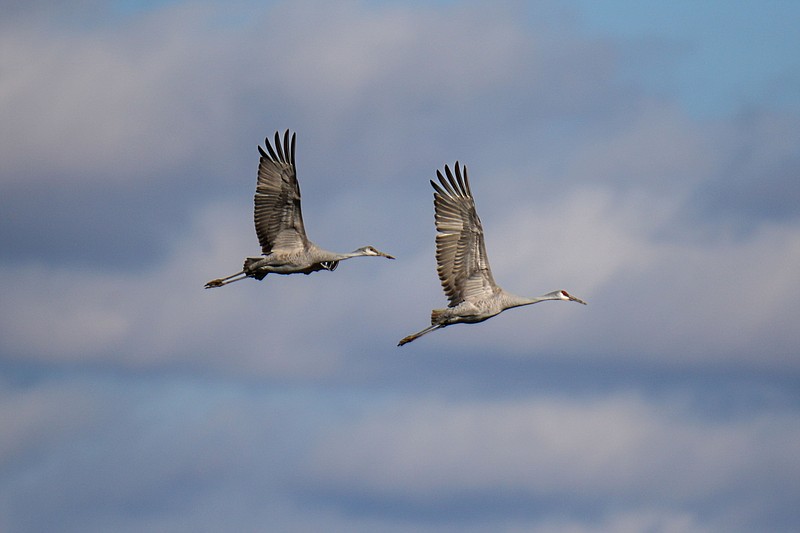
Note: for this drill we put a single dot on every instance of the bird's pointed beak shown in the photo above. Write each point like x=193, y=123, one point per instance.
x=573, y=299
x=387, y=256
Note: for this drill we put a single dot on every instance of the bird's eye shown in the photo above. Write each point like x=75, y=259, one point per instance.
x=564, y=293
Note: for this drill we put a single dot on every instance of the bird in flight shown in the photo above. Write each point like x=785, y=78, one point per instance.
x=279, y=222
x=462, y=262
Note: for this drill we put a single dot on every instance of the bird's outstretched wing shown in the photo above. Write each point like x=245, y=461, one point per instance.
x=278, y=219
x=460, y=250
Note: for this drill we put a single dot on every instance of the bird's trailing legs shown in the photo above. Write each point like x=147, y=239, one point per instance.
x=419, y=334
x=224, y=281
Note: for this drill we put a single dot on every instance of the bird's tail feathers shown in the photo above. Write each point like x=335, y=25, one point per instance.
x=248, y=262
x=252, y=272
x=436, y=316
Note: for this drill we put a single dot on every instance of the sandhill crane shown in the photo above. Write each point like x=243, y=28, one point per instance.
x=279, y=223
x=462, y=262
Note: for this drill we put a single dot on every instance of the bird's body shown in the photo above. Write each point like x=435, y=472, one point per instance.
x=462, y=262
x=279, y=222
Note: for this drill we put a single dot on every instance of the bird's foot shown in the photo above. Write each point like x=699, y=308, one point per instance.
x=214, y=283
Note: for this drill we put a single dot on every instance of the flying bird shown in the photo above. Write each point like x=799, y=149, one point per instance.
x=279, y=222
x=462, y=262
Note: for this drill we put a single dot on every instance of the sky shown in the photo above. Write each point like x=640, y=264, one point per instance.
x=641, y=155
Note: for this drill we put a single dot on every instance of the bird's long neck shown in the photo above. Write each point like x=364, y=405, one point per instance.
x=337, y=256
x=512, y=300
x=367, y=251
x=348, y=255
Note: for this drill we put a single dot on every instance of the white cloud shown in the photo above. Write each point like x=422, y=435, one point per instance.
x=617, y=448
x=165, y=317
x=650, y=296
x=301, y=458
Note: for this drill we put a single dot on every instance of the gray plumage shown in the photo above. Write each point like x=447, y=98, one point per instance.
x=462, y=263
x=279, y=222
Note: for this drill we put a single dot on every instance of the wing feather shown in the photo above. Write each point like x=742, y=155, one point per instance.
x=463, y=266
x=277, y=214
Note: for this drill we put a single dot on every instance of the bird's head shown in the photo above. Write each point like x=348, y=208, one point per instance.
x=372, y=251
x=564, y=295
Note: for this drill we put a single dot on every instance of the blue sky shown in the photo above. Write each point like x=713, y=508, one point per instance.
x=640, y=155
x=727, y=54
